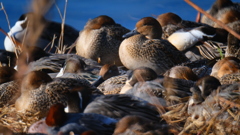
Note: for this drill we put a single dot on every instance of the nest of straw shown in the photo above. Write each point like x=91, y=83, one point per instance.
x=219, y=114
x=17, y=122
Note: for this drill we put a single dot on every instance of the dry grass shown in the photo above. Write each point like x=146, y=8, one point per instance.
x=17, y=122
x=219, y=114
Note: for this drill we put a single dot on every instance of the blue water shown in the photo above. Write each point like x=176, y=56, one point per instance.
x=124, y=12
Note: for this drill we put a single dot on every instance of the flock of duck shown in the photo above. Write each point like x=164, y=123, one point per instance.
x=114, y=80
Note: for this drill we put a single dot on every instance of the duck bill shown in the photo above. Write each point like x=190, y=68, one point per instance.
x=131, y=33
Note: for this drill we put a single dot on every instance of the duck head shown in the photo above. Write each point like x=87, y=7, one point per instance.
x=149, y=27
x=227, y=65
x=142, y=74
x=220, y=4
x=34, y=79
x=106, y=71
x=74, y=65
x=227, y=16
x=169, y=18
x=56, y=115
x=7, y=74
x=99, y=21
x=207, y=84
x=182, y=72
x=30, y=82
x=132, y=124
x=233, y=42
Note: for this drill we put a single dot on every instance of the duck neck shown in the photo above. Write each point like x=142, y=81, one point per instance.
x=98, y=81
x=78, y=101
x=74, y=103
x=233, y=46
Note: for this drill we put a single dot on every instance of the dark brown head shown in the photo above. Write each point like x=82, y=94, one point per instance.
x=182, y=72
x=149, y=27
x=108, y=71
x=56, y=115
x=218, y=5
x=34, y=79
x=207, y=84
x=229, y=17
x=99, y=21
x=74, y=65
x=142, y=74
x=7, y=74
x=227, y=65
x=169, y=18
x=29, y=54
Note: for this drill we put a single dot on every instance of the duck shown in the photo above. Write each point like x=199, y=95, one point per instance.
x=107, y=71
x=7, y=58
x=218, y=9
x=29, y=54
x=55, y=63
x=133, y=124
x=76, y=67
x=122, y=83
x=39, y=91
x=230, y=78
x=227, y=65
x=89, y=99
x=194, y=47
x=119, y=105
x=171, y=23
x=140, y=74
x=207, y=84
x=144, y=47
x=212, y=105
x=150, y=91
x=227, y=15
x=183, y=40
x=9, y=87
x=201, y=68
x=181, y=72
x=114, y=84
x=176, y=90
x=19, y=33
x=233, y=42
x=203, y=88
x=59, y=122
x=100, y=40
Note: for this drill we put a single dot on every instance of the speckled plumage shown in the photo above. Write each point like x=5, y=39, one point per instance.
x=160, y=55
x=9, y=92
x=171, y=23
x=144, y=47
x=118, y=106
x=113, y=85
x=102, y=42
x=56, y=91
x=218, y=10
x=55, y=62
x=233, y=48
x=230, y=78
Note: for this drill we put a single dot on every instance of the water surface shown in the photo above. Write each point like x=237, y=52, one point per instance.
x=124, y=12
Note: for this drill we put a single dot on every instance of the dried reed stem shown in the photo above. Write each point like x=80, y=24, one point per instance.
x=2, y=8
x=212, y=18
x=58, y=10
x=9, y=27
x=60, y=42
